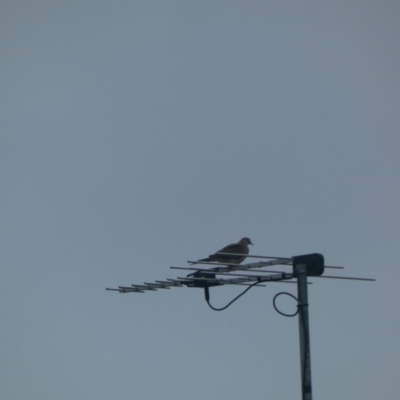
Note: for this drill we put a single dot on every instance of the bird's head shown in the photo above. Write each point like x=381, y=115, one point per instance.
x=245, y=241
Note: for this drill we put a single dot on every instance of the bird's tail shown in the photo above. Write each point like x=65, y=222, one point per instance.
x=203, y=259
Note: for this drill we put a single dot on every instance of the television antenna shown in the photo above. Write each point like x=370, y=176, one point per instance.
x=220, y=274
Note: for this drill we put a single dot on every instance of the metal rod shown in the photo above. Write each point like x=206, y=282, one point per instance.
x=170, y=284
x=283, y=265
x=304, y=332
x=231, y=274
x=225, y=282
x=216, y=272
x=157, y=285
x=277, y=277
x=243, y=267
x=242, y=275
x=218, y=280
x=194, y=269
x=143, y=287
x=223, y=270
x=345, y=277
x=126, y=289
x=175, y=282
x=251, y=256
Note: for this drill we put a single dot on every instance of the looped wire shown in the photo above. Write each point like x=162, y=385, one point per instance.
x=282, y=313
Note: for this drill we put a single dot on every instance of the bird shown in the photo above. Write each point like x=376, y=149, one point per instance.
x=241, y=248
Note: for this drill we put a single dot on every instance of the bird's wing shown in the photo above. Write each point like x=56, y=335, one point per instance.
x=234, y=248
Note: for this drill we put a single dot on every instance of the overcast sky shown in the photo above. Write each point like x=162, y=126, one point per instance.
x=137, y=135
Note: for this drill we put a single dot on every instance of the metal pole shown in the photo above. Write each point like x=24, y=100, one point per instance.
x=304, y=332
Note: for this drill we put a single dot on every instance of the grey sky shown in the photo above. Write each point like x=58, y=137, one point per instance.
x=136, y=135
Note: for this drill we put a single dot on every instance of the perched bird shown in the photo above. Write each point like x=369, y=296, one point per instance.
x=241, y=247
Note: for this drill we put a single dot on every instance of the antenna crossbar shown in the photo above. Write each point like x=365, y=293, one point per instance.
x=207, y=277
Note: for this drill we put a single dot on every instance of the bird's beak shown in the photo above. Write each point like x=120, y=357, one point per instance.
x=251, y=244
